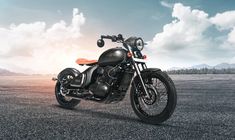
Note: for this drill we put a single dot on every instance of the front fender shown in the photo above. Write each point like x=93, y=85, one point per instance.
x=145, y=71
x=150, y=70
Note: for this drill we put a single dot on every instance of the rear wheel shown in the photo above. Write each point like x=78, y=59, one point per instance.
x=160, y=104
x=64, y=101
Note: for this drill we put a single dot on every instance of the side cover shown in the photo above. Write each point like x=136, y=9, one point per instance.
x=89, y=73
x=84, y=78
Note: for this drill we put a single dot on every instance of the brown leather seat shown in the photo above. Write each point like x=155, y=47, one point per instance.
x=84, y=61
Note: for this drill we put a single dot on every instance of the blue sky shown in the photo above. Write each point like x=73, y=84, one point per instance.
x=130, y=17
x=133, y=17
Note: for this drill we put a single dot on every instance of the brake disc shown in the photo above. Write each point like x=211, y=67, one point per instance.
x=153, y=96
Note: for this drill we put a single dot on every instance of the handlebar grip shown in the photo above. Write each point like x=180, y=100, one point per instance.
x=113, y=37
x=106, y=37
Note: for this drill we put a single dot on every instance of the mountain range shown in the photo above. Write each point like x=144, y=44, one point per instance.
x=5, y=72
x=201, y=66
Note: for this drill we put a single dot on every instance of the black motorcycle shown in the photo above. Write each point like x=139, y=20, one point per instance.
x=152, y=92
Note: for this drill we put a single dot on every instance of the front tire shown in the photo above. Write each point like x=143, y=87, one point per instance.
x=139, y=102
x=65, y=103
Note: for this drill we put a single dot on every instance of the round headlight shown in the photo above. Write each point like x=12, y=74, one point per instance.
x=139, y=43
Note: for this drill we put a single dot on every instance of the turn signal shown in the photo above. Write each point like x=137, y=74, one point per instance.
x=129, y=54
x=144, y=56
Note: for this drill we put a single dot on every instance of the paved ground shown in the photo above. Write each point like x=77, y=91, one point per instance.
x=205, y=110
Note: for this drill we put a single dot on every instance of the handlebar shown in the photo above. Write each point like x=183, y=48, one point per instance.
x=131, y=41
x=114, y=38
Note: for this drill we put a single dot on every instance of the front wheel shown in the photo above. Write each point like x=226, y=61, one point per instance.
x=161, y=102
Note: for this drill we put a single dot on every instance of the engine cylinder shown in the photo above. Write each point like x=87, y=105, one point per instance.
x=101, y=87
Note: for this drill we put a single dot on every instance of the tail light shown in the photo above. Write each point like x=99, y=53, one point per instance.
x=129, y=54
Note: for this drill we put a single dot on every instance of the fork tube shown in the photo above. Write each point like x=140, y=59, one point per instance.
x=141, y=79
x=138, y=71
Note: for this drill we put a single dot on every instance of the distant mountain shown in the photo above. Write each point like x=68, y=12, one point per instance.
x=4, y=72
x=201, y=66
x=175, y=68
x=224, y=66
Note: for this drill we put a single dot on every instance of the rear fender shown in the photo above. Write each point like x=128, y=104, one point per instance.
x=68, y=71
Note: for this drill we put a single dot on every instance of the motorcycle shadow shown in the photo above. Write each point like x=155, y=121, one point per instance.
x=107, y=115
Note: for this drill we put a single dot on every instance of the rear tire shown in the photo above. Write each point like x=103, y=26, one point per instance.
x=68, y=104
x=171, y=98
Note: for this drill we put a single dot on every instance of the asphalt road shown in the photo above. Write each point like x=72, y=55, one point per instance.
x=28, y=110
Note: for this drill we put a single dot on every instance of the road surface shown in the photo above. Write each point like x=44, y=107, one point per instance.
x=28, y=110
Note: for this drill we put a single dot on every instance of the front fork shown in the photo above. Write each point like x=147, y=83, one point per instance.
x=138, y=70
x=141, y=79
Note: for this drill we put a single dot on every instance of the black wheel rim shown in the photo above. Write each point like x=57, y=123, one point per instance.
x=60, y=96
x=159, y=104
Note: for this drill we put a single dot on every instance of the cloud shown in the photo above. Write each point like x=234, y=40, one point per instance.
x=166, y=4
x=224, y=20
x=41, y=49
x=187, y=27
x=231, y=36
x=184, y=42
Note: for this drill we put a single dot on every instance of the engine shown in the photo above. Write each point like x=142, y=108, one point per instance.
x=106, y=78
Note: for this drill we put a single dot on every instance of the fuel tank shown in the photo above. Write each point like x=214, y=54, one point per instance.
x=112, y=57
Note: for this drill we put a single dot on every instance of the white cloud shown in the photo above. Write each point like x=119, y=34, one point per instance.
x=224, y=20
x=37, y=49
x=166, y=4
x=187, y=27
x=183, y=41
x=231, y=36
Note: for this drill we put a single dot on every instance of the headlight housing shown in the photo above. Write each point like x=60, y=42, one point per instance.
x=139, y=43
x=136, y=43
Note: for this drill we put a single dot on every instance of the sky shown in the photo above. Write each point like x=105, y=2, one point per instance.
x=45, y=36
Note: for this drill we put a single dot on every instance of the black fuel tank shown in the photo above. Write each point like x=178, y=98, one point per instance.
x=112, y=57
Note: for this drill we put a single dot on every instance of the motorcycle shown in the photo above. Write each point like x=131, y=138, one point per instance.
x=152, y=92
